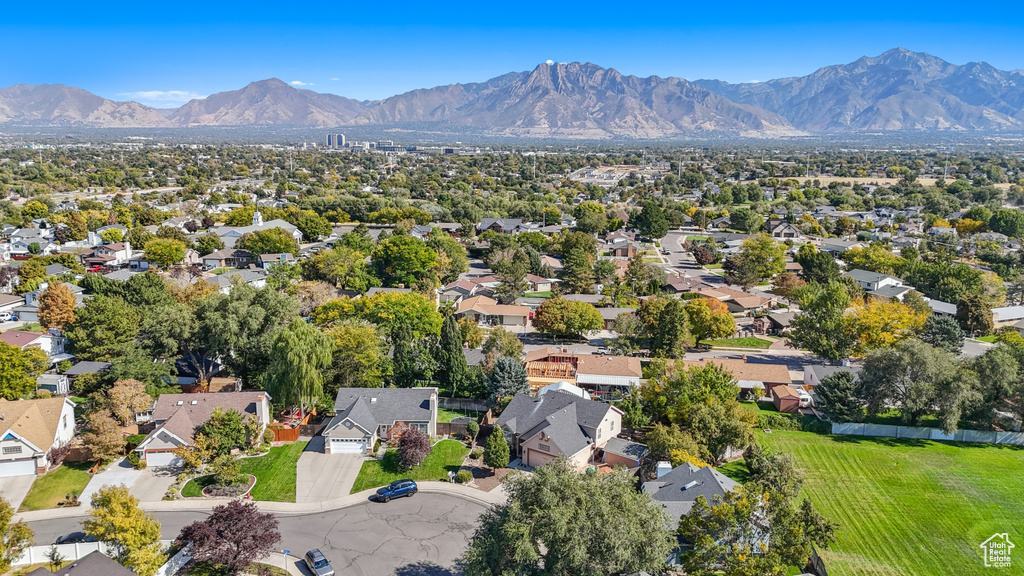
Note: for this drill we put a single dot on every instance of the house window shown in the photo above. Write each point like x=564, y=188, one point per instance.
x=612, y=426
x=543, y=447
x=598, y=432
x=65, y=421
x=12, y=449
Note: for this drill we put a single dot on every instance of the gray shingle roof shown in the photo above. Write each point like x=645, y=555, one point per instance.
x=671, y=489
x=561, y=429
x=625, y=448
x=373, y=407
x=525, y=412
x=92, y=564
x=87, y=368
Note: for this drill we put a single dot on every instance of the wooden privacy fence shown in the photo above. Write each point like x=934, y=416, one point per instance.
x=446, y=428
x=282, y=434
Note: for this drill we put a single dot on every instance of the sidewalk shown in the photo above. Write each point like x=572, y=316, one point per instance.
x=496, y=496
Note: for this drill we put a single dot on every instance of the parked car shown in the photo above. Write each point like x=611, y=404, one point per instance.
x=95, y=269
x=397, y=489
x=75, y=538
x=318, y=564
x=6, y=316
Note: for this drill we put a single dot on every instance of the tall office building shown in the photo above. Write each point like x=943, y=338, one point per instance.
x=330, y=141
x=339, y=140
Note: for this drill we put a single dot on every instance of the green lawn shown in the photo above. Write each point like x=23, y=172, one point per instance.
x=713, y=266
x=445, y=415
x=447, y=455
x=50, y=488
x=544, y=294
x=748, y=342
x=989, y=339
x=275, y=475
x=908, y=507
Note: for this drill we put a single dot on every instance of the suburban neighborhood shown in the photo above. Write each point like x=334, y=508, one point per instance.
x=270, y=349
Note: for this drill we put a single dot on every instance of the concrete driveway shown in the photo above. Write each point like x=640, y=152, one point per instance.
x=153, y=483
x=120, y=472
x=14, y=488
x=322, y=476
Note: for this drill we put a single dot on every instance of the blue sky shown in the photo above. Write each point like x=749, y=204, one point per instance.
x=163, y=54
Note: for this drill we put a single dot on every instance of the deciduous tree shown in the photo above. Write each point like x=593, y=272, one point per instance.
x=709, y=319
x=15, y=537
x=540, y=524
x=820, y=326
x=298, y=357
x=15, y=381
x=57, y=306
x=104, y=437
x=567, y=318
x=233, y=536
x=413, y=447
x=132, y=536
x=128, y=398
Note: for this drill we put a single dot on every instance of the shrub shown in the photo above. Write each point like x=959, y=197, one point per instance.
x=268, y=435
x=463, y=476
x=134, y=440
x=497, y=453
x=133, y=458
x=472, y=428
x=796, y=422
x=476, y=454
x=141, y=465
x=43, y=393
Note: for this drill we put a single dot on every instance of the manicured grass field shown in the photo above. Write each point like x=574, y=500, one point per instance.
x=447, y=455
x=544, y=294
x=444, y=415
x=908, y=507
x=748, y=342
x=275, y=475
x=50, y=488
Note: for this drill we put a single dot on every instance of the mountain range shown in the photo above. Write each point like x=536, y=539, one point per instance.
x=898, y=91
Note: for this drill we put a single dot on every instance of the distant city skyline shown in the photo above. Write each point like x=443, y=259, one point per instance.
x=165, y=55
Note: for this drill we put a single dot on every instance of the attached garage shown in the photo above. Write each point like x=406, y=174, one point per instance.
x=348, y=445
x=17, y=468
x=162, y=459
x=535, y=458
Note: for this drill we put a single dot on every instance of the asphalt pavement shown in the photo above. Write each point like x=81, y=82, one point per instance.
x=421, y=535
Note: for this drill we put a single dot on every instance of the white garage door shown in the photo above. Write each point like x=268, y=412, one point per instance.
x=348, y=446
x=162, y=459
x=17, y=468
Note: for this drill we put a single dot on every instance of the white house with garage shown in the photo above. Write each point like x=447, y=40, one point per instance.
x=29, y=429
x=364, y=415
x=177, y=416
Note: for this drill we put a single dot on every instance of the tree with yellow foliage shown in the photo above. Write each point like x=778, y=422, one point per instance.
x=881, y=324
x=57, y=306
x=966, y=226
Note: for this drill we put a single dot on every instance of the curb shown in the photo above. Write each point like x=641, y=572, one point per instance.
x=206, y=504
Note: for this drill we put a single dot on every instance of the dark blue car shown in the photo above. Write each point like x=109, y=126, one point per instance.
x=396, y=489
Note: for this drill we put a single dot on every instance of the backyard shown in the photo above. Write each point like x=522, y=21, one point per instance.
x=446, y=455
x=907, y=507
x=275, y=475
x=49, y=489
x=445, y=415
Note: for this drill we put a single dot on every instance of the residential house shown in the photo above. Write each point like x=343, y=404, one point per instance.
x=814, y=374
x=29, y=429
x=52, y=344
x=114, y=254
x=784, y=230
x=486, y=310
x=871, y=281
x=541, y=429
x=749, y=375
x=266, y=261
x=228, y=258
x=364, y=415
x=57, y=384
x=94, y=563
x=539, y=283
x=601, y=375
x=552, y=262
x=1002, y=316
x=502, y=225
x=8, y=302
x=177, y=416
x=622, y=248
x=836, y=246
x=774, y=322
x=230, y=234
x=678, y=489
x=610, y=315
x=224, y=282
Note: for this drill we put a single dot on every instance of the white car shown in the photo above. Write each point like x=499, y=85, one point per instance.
x=805, y=398
x=6, y=316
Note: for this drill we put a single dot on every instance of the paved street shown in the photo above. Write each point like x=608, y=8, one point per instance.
x=422, y=535
x=322, y=476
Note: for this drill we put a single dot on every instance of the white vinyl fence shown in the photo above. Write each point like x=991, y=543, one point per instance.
x=892, y=431
x=72, y=552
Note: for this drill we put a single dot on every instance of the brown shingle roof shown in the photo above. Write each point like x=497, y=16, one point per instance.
x=608, y=365
x=19, y=338
x=197, y=414
x=34, y=420
x=743, y=370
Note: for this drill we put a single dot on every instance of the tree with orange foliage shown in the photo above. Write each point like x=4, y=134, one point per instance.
x=709, y=319
x=57, y=306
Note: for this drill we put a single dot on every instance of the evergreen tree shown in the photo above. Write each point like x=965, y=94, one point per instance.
x=837, y=398
x=496, y=454
x=452, y=360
